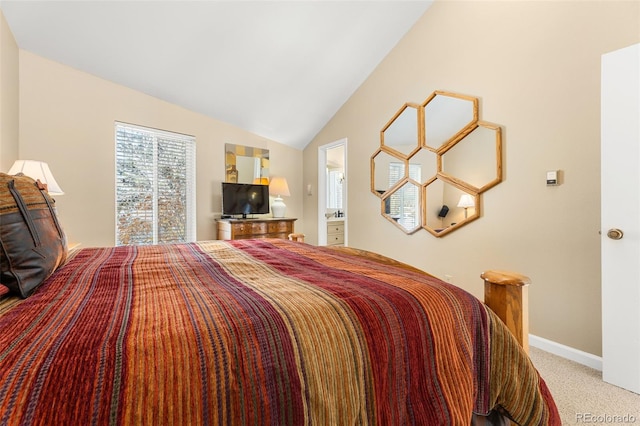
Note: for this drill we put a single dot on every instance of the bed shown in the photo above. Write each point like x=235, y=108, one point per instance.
x=254, y=332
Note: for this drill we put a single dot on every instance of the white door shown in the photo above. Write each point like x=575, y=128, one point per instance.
x=620, y=186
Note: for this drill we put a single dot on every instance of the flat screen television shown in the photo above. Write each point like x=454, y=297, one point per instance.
x=244, y=199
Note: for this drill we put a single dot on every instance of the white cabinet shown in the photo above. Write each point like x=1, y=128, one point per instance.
x=335, y=232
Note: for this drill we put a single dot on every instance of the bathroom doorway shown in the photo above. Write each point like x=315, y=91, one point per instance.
x=332, y=193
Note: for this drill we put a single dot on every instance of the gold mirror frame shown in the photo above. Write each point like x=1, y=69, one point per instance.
x=484, y=144
x=403, y=133
x=402, y=206
x=448, y=117
x=467, y=157
x=439, y=193
x=246, y=164
x=381, y=163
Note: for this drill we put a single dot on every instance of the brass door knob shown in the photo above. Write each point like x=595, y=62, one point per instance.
x=615, y=233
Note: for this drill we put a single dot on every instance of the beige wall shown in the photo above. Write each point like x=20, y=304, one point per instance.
x=536, y=68
x=9, y=96
x=67, y=119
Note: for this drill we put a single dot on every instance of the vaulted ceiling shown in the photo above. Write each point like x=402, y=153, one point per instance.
x=279, y=69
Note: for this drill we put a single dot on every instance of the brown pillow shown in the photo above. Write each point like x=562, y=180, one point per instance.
x=32, y=241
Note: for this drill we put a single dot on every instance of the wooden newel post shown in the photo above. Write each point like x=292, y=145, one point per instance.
x=507, y=294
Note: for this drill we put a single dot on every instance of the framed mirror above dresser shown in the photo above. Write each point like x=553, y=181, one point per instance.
x=246, y=164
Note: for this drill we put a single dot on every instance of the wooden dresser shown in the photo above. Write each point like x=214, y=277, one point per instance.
x=240, y=229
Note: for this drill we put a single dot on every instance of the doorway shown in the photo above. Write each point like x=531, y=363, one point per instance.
x=332, y=193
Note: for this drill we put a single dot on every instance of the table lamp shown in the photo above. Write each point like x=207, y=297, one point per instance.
x=466, y=201
x=278, y=187
x=37, y=170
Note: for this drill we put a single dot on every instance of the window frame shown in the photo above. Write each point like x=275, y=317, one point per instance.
x=156, y=135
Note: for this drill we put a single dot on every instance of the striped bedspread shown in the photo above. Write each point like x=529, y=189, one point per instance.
x=256, y=332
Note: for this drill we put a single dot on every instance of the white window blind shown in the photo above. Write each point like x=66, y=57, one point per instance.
x=403, y=204
x=155, y=186
x=396, y=172
x=335, y=178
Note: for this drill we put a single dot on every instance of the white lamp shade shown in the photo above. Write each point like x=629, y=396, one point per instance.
x=278, y=186
x=37, y=170
x=466, y=201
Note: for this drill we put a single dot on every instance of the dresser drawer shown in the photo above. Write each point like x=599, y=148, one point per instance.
x=280, y=227
x=234, y=229
x=333, y=239
x=335, y=232
x=258, y=228
x=250, y=228
x=335, y=228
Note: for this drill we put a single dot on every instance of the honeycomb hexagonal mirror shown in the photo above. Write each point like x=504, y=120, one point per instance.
x=403, y=132
x=476, y=159
x=387, y=171
x=448, y=207
x=447, y=117
x=431, y=174
x=403, y=206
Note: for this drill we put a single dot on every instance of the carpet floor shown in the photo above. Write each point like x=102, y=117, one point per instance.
x=581, y=395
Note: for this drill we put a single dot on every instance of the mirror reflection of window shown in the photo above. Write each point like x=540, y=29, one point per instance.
x=396, y=172
x=382, y=179
x=335, y=179
x=404, y=204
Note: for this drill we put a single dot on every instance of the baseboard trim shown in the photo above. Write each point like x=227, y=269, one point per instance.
x=567, y=352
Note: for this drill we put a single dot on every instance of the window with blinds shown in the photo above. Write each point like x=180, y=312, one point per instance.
x=335, y=178
x=155, y=186
x=404, y=203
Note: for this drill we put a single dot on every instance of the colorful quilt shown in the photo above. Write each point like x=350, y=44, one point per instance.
x=256, y=332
